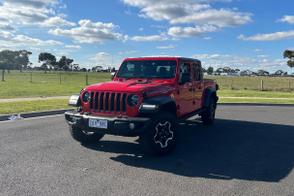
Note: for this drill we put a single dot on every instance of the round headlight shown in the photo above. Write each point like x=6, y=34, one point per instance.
x=86, y=96
x=133, y=100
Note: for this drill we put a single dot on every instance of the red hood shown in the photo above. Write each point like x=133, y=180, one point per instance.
x=133, y=86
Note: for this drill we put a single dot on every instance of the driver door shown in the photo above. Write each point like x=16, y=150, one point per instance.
x=186, y=96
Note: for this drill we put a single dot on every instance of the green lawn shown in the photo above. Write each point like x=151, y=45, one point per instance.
x=255, y=93
x=249, y=100
x=32, y=106
x=46, y=84
x=254, y=83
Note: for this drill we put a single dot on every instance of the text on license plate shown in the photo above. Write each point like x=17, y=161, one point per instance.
x=98, y=123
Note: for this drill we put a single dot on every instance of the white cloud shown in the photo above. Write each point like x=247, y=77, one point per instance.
x=257, y=50
x=189, y=12
x=27, y=12
x=101, y=58
x=10, y=41
x=269, y=36
x=32, y=3
x=240, y=62
x=57, y=21
x=73, y=46
x=149, y=38
x=19, y=13
x=90, y=32
x=219, y=18
x=262, y=56
x=287, y=19
x=191, y=31
x=198, y=16
x=6, y=27
x=167, y=47
x=127, y=52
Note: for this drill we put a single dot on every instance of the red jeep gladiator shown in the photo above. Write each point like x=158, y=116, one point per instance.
x=146, y=97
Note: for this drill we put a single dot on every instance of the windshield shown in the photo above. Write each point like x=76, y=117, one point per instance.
x=147, y=69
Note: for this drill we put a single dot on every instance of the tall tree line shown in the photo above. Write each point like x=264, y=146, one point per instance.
x=19, y=60
x=290, y=55
x=49, y=62
x=14, y=59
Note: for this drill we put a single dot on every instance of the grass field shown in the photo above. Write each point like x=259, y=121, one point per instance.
x=46, y=84
x=254, y=83
x=20, y=85
x=30, y=106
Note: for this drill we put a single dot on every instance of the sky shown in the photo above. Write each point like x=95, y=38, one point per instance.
x=243, y=34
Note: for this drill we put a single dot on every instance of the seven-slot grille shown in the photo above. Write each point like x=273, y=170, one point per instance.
x=108, y=102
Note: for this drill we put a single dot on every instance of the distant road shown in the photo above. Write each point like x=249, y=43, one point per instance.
x=249, y=151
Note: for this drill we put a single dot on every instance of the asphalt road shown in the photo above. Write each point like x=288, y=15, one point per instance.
x=249, y=151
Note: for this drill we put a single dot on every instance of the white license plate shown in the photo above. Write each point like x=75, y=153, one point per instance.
x=98, y=123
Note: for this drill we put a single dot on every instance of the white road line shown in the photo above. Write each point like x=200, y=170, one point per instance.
x=32, y=118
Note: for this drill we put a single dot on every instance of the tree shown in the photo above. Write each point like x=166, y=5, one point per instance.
x=290, y=55
x=48, y=60
x=23, y=59
x=210, y=70
x=76, y=67
x=236, y=70
x=227, y=69
x=97, y=68
x=219, y=70
x=84, y=70
x=14, y=59
x=262, y=73
x=280, y=73
x=65, y=63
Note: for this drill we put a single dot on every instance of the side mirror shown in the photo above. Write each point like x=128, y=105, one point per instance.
x=185, y=77
x=112, y=74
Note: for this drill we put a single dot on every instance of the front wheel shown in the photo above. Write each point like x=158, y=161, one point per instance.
x=83, y=136
x=160, y=136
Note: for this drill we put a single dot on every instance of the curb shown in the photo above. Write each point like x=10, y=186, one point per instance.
x=34, y=114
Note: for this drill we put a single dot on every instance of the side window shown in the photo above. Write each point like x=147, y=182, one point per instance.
x=185, y=73
x=197, y=72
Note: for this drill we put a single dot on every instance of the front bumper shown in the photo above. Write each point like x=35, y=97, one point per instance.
x=115, y=125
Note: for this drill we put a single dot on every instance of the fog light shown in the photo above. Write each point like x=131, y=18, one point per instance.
x=132, y=126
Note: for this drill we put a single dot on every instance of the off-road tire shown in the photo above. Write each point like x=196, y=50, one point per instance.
x=208, y=116
x=84, y=137
x=159, y=137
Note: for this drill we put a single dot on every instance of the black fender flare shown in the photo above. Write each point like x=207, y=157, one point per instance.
x=156, y=104
x=208, y=94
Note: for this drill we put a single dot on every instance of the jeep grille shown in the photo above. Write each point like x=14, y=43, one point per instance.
x=102, y=101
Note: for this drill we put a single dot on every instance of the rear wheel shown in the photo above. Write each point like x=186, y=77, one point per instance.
x=160, y=136
x=83, y=136
x=209, y=115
